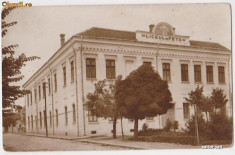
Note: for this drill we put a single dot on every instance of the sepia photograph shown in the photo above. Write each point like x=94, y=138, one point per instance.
x=116, y=77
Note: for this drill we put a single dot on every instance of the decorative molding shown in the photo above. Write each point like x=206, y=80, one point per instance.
x=130, y=58
x=147, y=59
x=221, y=63
x=209, y=63
x=109, y=56
x=71, y=58
x=197, y=62
x=184, y=61
x=166, y=60
x=90, y=55
x=150, y=53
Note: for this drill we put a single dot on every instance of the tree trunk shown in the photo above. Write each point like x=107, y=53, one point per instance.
x=6, y=129
x=136, y=129
x=206, y=117
x=122, y=130
x=114, y=127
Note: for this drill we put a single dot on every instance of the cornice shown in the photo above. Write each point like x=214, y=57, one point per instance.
x=163, y=55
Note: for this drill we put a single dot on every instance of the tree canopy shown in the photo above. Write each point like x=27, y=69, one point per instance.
x=101, y=102
x=11, y=66
x=218, y=98
x=196, y=97
x=143, y=94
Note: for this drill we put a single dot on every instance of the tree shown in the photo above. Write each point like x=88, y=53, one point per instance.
x=10, y=120
x=11, y=66
x=218, y=99
x=142, y=94
x=101, y=102
x=206, y=106
x=196, y=99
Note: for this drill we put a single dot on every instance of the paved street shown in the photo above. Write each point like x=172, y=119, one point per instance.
x=15, y=142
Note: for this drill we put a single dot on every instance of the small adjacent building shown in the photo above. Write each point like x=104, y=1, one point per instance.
x=98, y=54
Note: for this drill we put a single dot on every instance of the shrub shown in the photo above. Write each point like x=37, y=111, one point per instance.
x=190, y=126
x=168, y=125
x=188, y=140
x=220, y=127
x=175, y=125
x=171, y=125
x=145, y=127
x=150, y=132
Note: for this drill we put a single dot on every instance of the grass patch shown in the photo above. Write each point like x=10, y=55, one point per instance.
x=160, y=135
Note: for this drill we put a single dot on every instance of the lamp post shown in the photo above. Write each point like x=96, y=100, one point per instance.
x=44, y=92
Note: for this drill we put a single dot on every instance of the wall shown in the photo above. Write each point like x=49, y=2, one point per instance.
x=66, y=95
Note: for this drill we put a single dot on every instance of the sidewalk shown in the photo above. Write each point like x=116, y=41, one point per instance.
x=137, y=144
x=60, y=136
x=109, y=141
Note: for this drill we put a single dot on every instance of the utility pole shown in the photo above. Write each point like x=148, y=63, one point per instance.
x=196, y=125
x=157, y=57
x=44, y=91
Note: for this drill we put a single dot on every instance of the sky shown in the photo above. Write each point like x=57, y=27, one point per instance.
x=38, y=28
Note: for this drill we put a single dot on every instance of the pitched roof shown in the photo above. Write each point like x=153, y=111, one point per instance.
x=207, y=45
x=108, y=33
x=131, y=36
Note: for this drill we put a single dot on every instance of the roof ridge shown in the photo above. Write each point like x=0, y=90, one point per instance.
x=94, y=27
x=205, y=41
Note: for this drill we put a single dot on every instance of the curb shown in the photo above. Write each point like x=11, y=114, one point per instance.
x=80, y=139
x=119, y=145
x=63, y=138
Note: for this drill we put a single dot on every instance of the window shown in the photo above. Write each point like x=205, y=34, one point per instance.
x=43, y=90
x=55, y=82
x=209, y=73
x=50, y=119
x=166, y=71
x=90, y=68
x=184, y=72
x=27, y=99
x=31, y=97
x=92, y=118
x=147, y=63
x=36, y=119
x=74, y=114
x=57, y=119
x=221, y=74
x=72, y=70
x=35, y=95
x=186, y=110
x=32, y=121
x=64, y=75
x=197, y=73
x=130, y=66
x=49, y=86
x=39, y=92
x=110, y=69
x=28, y=122
x=40, y=117
x=66, y=115
x=45, y=119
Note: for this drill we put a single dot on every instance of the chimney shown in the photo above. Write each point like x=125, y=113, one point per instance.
x=173, y=31
x=62, y=39
x=151, y=27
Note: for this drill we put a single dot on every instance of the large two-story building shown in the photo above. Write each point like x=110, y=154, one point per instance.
x=98, y=54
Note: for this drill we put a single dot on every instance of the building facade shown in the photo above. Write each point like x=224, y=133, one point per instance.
x=98, y=54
